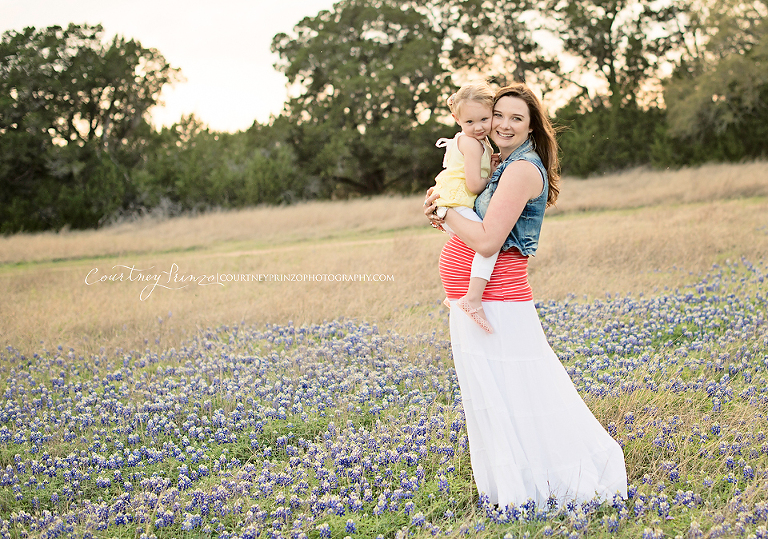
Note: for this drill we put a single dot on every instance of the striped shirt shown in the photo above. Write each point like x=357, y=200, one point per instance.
x=509, y=280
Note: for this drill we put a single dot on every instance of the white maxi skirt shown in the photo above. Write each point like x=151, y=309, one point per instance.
x=531, y=436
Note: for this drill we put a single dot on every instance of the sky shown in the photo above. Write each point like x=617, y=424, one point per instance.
x=221, y=47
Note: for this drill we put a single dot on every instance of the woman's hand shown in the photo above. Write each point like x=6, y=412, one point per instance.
x=429, y=209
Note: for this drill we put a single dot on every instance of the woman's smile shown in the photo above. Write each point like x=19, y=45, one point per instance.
x=511, y=124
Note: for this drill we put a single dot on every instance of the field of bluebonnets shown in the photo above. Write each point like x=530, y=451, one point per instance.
x=348, y=428
x=340, y=429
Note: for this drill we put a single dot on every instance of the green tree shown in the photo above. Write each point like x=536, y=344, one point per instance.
x=73, y=123
x=619, y=46
x=718, y=102
x=373, y=84
x=588, y=146
x=618, y=50
x=190, y=167
x=499, y=40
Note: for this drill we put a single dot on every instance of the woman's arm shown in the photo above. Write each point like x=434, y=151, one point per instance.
x=473, y=150
x=519, y=183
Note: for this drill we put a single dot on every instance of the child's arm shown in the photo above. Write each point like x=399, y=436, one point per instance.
x=473, y=152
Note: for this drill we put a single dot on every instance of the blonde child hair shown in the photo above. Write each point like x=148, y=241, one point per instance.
x=479, y=92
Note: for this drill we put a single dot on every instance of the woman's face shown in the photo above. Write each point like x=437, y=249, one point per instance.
x=511, y=124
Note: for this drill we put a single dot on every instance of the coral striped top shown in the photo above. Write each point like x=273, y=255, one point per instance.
x=509, y=280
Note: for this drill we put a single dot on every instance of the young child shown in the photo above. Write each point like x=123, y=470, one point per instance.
x=467, y=167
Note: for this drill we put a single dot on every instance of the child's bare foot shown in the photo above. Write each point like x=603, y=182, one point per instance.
x=474, y=310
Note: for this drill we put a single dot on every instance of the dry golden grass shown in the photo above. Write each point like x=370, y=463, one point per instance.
x=645, y=249
x=645, y=231
x=642, y=187
x=257, y=227
x=51, y=302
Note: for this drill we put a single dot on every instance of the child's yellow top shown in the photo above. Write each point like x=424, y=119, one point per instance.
x=451, y=183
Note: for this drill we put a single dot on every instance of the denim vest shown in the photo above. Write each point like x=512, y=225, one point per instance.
x=525, y=233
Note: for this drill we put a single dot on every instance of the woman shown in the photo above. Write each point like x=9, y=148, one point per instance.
x=531, y=436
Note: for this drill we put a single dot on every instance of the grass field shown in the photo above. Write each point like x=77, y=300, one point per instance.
x=636, y=232
x=132, y=410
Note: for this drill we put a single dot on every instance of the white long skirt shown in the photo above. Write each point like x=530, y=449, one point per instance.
x=531, y=436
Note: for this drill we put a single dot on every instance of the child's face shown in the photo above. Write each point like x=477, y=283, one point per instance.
x=474, y=119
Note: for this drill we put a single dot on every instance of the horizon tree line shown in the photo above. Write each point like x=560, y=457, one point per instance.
x=660, y=82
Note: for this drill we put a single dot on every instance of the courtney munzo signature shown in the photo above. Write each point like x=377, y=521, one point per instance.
x=170, y=280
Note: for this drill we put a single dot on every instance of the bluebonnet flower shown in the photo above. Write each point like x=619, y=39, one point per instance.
x=324, y=530
x=418, y=519
x=443, y=485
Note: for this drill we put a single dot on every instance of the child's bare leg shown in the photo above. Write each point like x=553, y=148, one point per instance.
x=475, y=292
x=472, y=302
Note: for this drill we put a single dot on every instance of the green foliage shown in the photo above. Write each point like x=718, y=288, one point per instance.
x=73, y=118
x=607, y=139
x=498, y=41
x=193, y=168
x=718, y=105
x=373, y=84
x=621, y=43
x=78, y=188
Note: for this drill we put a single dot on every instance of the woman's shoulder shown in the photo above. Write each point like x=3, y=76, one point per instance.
x=527, y=175
x=521, y=168
x=527, y=160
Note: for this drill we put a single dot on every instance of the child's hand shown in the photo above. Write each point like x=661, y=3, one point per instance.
x=495, y=160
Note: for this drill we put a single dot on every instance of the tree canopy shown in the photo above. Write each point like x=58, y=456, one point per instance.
x=73, y=119
x=372, y=83
x=718, y=101
x=618, y=46
x=369, y=81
